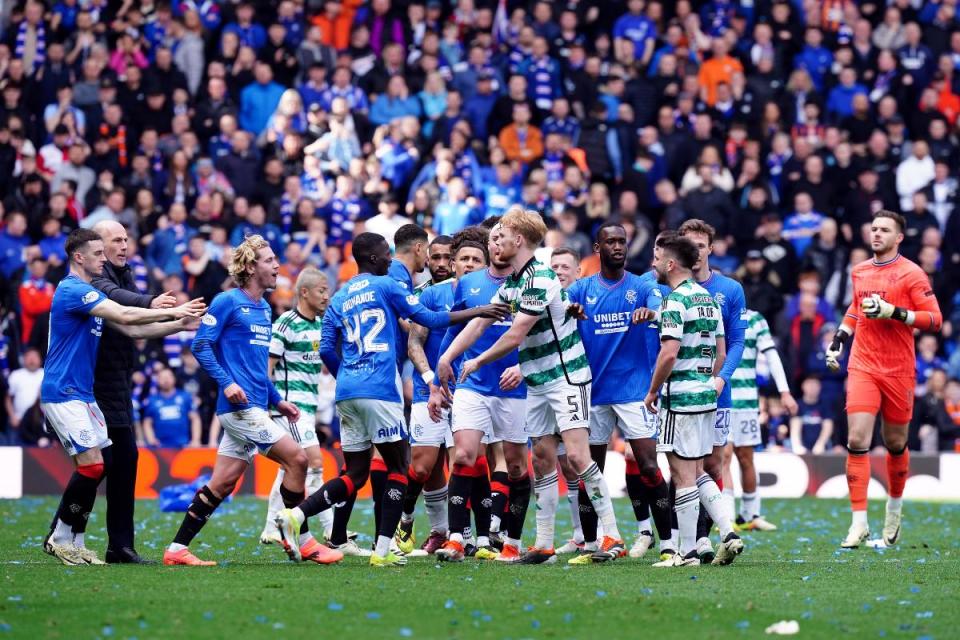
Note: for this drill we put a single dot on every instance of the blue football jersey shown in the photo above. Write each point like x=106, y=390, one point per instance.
x=399, y=272
x=362, y=321
x=74, y=338
x=437, y=297
x=622, y=355
x=233, y=346
x=474, y=290
x=728, y=294
x=171, y=418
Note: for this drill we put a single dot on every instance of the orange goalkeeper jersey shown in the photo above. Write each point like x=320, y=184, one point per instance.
x=886, y=346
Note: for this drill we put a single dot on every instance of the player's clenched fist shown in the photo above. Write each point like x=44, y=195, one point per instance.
x=643, y=315
x=876, y=308
x=235, y=394
x=650, y=402
x=288, y=410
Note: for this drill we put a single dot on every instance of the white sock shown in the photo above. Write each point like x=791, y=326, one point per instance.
x=644, y=525
x=600, y=498
x=313, y=483
x=757, y=509
x=62, y=533
x=483, y=541
x=78, y=541
x=304, y=538
x=729, y=502
x=383, y=546
x=546, y=492
x=298, y=514
x=495, y=524
x=748, y=506
x=435, y=504
x=687, y=507
x=274, y=500
x=506, y=541
x=712, y=501
x=174, y=547
x=456, y=537
x=860, y=517
x=573, y=501
x=895, y=504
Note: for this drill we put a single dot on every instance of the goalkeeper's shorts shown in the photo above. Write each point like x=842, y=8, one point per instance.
x=873, y=393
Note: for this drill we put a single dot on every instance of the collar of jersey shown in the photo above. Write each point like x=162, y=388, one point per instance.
x=519, y=272
x=606, y=284
x=883, y=264
x=496, y=278
x=707, y=281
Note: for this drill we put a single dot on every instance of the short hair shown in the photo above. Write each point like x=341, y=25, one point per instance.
x=473, y=236
x=244, y=255
x=526, y=222
x=609, y=224
x=565, y=251
x=365, y=244
x=309, y=277
x=407, y=235
x=683, y=249
x=490, y=222
x=663, y=236
x=78, y=240
x=472, y=244
x=696, y=225
x=893, y=215
x=442, y=240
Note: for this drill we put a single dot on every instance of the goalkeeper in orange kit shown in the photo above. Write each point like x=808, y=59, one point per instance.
x=892, y=296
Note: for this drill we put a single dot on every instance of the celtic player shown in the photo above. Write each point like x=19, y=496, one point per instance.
x=692, y=350
x=745, y=419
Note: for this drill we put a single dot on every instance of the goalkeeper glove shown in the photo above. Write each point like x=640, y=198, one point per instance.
x=835, y=349
x=876, y=308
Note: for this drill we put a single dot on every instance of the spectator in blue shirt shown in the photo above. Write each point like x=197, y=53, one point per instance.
x=927, y=361
x=169, y=417
x=479, y=105
x=840, y=98
x=916, y=59
x=560, y=121
x=250, y=33
x=257, y=225
x=165, y=253
x=543, y=76
x=13, y=244
x=395, y=103
x=638, y=29
x=53, y=241
x=814, y=58
x=457, y=211
x=803, y=224
x=811, y=429
x=259, y=100
x=502, y=193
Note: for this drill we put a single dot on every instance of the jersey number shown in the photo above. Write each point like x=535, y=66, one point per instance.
x=367, y=343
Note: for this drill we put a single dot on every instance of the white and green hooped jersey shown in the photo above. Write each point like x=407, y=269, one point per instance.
x=743, y=384
x=552, y=351
x=296, y=342
x=690, y=314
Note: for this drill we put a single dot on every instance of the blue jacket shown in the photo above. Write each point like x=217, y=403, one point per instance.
x=816, y=61
x=385, y=110
x=257, y=104
x=840, y=100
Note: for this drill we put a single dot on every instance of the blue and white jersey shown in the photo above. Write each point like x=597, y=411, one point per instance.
x=74, y=338
x=474, y=290
x=233, y=346
x=437, y=297
x=622, y=355
x=362, y=321
x=728, y=294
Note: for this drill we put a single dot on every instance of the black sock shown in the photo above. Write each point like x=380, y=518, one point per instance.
x=332, y=492
x=77, y=502
x=292, y=499
x=458, y=491
x=704, y=524
x=635, y=492
x=378, y=482
x=657, y=497
x=392, y=505
x=481, y=503
x=588, y=517
x=520, y=489
x=414, y=489
x=672, y=494
x=341, y=517
x=499, y=494
x=199, y=511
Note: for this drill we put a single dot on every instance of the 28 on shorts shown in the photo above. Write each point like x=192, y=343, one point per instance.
x=631, y=418
x=424, y=432
x=79, y=425
x=556, y=409
x=247, y=431
x=501, y=419
x=745, y=426
x=364, y=421
x=890, y=397
x=687, y=435
x=303, y=431
x=722, y=428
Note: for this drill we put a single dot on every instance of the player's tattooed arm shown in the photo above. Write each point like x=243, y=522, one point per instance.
x=415, y=341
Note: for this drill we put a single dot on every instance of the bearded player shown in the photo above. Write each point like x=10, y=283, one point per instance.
x=891, y=298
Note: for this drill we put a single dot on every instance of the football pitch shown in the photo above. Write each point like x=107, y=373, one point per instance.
x=797, y=573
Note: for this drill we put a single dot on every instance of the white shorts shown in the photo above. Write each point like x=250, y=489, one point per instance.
x=364, y=421
x=745, y=426
x=303, y=431
x=79, y=425
x=501, y=419
x=722, y=428
x=424, y=432
x=632, y=418
x=557, y=409
x=247, y=431
x=687, y=435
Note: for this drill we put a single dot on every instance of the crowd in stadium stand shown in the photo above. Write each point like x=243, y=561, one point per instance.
x=784, y=124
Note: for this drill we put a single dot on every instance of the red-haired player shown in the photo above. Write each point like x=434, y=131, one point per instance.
x=892, y=296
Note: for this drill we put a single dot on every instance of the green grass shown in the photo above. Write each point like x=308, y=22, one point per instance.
x=796, y=573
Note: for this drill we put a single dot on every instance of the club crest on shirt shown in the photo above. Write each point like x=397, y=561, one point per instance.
x=209, y=320
x=720, y=298
x=90, y=296
x=412, y=299
x=631, y=296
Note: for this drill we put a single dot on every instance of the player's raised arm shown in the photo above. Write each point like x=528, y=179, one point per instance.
x=120, y=315
x=408, y=306
x=156, y=329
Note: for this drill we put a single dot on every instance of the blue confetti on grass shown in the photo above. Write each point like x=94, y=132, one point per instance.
x=373, y=615
x=14, y=598
x=647, y=591
x=449, y=604
x=568, y=618
x=4, y=627
x=914, y=589
x=335, y=606
x=406, y=632
x=535, y=624
x=743, y=624
x=924, y=614
x=601, y=594
x=107, y=631
x=208, y=615
x=261, y=619
x=528, y=607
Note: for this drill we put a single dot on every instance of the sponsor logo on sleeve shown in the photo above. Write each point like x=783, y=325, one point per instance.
x=209, y=320
x=412, y=299
x=90, y=296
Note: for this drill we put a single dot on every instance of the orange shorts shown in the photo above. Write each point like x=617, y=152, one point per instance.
x=891, y=397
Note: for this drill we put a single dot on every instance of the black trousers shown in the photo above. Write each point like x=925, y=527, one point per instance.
x=121, y=481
